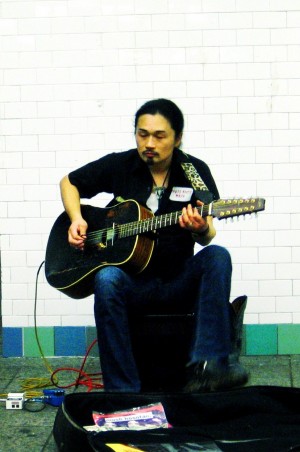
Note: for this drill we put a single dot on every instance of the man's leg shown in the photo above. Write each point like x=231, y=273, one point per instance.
x=212, y=337
x=210, y=367
x=112, y=288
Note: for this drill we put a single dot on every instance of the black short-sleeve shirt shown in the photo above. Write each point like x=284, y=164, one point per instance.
x=124, y=174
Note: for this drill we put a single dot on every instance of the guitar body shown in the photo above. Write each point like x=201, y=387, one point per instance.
x=72, y=271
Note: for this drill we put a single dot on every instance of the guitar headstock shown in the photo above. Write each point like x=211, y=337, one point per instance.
x=228, y=208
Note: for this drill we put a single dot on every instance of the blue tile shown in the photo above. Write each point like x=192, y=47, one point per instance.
x=69, y=341
x=12, y=342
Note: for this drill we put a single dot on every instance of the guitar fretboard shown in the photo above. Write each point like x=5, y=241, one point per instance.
x=151, y=224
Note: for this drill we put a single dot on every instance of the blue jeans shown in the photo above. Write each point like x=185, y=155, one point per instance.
x=202, y=287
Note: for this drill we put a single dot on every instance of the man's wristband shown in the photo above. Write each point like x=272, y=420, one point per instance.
x=201, y=234
x=204, y=232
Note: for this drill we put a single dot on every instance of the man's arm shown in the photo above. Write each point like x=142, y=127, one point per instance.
x=71, y=201
x=206, y=236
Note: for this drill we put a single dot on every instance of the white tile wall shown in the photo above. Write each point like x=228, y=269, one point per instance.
x=73, y=73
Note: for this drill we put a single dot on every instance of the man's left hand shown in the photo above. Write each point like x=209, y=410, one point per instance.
x=192, y=220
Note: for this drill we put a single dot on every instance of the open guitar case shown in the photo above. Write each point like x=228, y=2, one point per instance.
x=257, y=418
x=253, y=418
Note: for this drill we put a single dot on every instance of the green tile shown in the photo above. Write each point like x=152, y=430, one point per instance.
x=288, y=339
x=45, y=338
x=261, y=339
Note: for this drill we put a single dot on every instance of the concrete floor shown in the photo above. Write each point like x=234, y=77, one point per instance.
x=22, y=430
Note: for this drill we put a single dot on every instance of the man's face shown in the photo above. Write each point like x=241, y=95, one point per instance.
x=155, y=140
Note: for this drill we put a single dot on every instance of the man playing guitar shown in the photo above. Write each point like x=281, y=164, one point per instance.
x=175, y=279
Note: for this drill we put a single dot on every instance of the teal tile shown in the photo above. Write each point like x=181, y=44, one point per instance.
x=91, y=336
x=261, y=339
x=43, y=336
x=243, y=351
x=288, y=339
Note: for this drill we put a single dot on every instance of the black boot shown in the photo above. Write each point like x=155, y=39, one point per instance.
x=238, y=310
x=224, y=373
x=214, y=375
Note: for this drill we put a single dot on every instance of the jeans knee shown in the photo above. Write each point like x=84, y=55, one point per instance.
x=110, y=284
x=220, y=252
x=218, y=255
x=108, y=275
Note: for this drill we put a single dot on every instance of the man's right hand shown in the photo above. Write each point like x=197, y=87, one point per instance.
x=77, y=233
x=71, y=200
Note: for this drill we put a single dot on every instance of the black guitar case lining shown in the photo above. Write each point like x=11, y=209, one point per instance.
x=257, y=418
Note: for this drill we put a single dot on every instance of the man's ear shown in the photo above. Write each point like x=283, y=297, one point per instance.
x=178, y=141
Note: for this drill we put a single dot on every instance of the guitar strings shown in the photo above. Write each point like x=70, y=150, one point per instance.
x=133, y=225
x=136, y=224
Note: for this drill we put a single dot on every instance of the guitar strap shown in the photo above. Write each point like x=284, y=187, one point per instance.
x=196, y=181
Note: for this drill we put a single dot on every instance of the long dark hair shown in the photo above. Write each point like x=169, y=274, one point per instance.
x=166, y=108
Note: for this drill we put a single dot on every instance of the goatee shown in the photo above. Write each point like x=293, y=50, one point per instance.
x=150, y=162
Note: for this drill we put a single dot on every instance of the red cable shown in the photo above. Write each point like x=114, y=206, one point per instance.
x=83, y=378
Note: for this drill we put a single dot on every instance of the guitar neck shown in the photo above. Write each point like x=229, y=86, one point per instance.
x=221, y=209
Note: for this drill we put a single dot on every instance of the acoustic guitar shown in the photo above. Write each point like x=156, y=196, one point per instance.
x=122, y=235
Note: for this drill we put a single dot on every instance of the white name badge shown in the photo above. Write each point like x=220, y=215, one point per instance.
x=181, y=194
